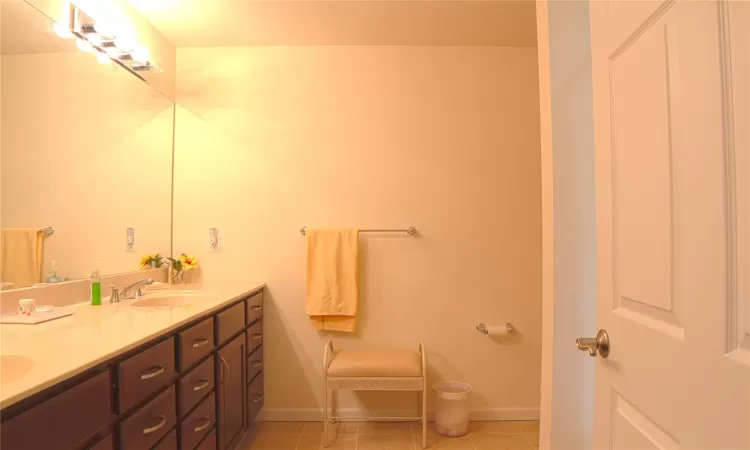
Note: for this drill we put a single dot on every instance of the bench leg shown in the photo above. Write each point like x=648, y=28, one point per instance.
x=333, y=406
x=325, y=418
x=424, y=417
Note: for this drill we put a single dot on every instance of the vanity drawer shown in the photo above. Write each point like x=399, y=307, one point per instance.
x=254, y=337
x=210, y=442
x=169, y=443
x=254, y=363
x=255, y=398
x=145, y=373
x=195, y=385
x=198, y=423
x=55, y=424
x=229, y=322
x=254, y=307
x=105, y=444
x=195, y=342
x=144, y=428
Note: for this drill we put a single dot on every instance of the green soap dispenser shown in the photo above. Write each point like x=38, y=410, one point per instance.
x=96, y=288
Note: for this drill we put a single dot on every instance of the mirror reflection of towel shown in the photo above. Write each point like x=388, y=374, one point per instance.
x=21, y=256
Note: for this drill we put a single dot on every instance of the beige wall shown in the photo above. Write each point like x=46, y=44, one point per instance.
x=443, y=138
x=87, y=150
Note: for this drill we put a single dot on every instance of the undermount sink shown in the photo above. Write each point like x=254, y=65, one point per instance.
x=164, y=301
x=14, y=367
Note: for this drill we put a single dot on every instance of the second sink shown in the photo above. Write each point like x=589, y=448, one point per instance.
x=164, y=301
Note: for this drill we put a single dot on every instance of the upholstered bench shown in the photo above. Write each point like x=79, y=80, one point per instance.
x=375, y=370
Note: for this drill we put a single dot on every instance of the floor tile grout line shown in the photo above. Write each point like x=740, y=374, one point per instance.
x=472, y=442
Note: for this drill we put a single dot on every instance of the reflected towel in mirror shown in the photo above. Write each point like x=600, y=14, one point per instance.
x=21, y=256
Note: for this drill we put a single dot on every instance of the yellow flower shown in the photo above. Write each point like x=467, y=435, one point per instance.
x=146, y=261
x=188, y=262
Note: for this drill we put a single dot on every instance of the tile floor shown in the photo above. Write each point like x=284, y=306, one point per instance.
x=392, y=436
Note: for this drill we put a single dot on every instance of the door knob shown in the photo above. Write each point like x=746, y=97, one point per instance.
x=600, y=343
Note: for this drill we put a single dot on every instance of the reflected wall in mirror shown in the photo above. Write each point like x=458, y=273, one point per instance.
x=86, y=152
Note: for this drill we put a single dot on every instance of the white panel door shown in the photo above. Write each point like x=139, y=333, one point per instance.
x=671, y=113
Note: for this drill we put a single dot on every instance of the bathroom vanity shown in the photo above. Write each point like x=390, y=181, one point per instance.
x=198, y=384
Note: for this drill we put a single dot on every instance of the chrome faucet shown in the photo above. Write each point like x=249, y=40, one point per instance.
x=134, y=290
x=114, y=297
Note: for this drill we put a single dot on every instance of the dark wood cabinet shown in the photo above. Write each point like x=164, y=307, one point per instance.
x=231, y=373
x=254, y=363
x=198, y=423
x=255, y=397
x=254, y=336
x=196, y=387
x=149, y=424
x=229, y=322
x=209, y=442
x=145, y=373
x=66, y=421
x=254, y=306
x=195, y=343
x=105, y=444
x=169, y=443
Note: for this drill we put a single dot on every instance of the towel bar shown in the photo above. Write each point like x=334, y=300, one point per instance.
x=411, y=231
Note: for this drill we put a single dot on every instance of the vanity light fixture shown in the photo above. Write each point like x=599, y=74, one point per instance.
x=139, y=67
x=84, y=45
x=62, y=31
x=125, y=42
x=109, y=36
x=141, y=55
x=103, y=58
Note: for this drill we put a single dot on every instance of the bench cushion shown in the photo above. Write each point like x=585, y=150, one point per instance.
x=375, y=363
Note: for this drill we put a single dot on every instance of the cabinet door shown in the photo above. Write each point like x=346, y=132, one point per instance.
x=104, y=444
x=231, y=373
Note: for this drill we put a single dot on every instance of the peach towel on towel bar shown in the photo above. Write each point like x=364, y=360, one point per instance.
x=21, y=260
x=332, y=279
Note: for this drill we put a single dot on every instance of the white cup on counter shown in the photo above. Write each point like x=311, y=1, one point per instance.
x=26, y=306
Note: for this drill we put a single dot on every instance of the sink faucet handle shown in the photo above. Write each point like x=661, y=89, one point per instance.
x=114, y=297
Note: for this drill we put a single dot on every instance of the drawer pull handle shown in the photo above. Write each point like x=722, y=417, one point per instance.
x=200, y=342
x=256, y=337
x=157, y=427
x=204, y=426
x=257, y=364
x=257, y=398
x=204, y=382
x=152, y=372
x=257, y=308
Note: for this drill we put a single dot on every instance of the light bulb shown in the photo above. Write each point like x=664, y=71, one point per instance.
x=84, y=46
x=125, y=42
x=112, y=51
x=141, y=55
x=62, y=31
x=104, y=28
x=102, y=58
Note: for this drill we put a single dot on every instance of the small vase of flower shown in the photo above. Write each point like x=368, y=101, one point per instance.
x=182, y=267
x=151, y=261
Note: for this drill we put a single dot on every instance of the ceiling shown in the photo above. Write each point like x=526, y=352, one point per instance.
x=216, y=23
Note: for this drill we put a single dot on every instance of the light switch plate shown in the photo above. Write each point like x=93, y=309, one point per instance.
x=214, y=240
x=130, y=240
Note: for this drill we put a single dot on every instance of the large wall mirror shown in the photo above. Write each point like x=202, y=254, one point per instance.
x=86, y=154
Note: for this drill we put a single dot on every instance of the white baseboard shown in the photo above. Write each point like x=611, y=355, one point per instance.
x=316, y=415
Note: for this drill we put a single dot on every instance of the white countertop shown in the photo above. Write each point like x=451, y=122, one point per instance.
x=35, y=357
